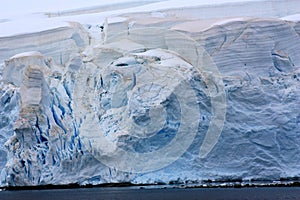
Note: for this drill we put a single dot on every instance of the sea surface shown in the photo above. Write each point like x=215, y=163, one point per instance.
x=265, y=193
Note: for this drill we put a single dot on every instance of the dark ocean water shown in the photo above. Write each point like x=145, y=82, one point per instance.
x=265, y=193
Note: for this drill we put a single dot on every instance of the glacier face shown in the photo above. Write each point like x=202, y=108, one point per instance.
x=151, y=105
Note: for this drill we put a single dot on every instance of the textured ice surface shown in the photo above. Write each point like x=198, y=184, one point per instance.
x=219, y=100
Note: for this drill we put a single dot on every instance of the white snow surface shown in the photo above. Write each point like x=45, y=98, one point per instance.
x=27, y=54
x=295, y=18
x=18, y=17
x=16, y=7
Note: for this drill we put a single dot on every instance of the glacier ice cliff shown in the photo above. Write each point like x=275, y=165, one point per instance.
x=190, y=101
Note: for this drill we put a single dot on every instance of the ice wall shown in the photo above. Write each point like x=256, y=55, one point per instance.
x=190, y=101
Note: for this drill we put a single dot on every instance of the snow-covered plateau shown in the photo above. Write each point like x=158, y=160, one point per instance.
x=149, y=92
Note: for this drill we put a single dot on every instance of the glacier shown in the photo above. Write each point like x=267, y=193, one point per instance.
x=159, y=95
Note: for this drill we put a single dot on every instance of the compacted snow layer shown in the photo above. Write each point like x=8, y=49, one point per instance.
x=121, y=101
